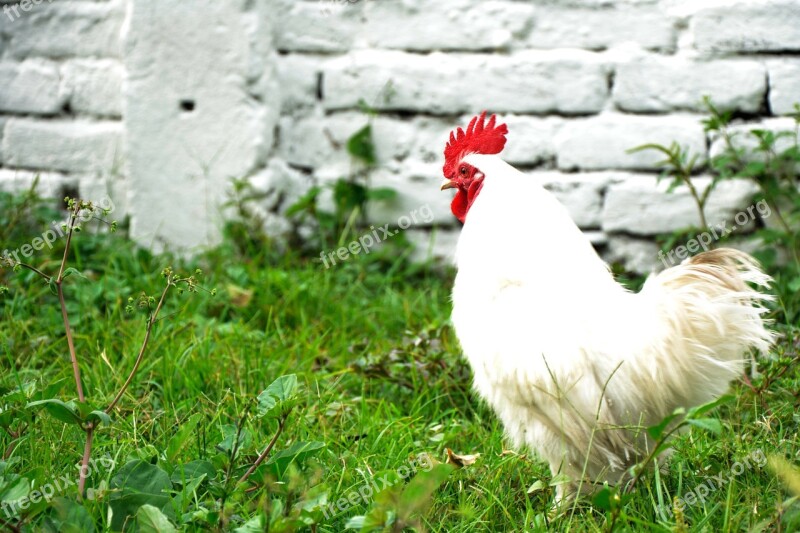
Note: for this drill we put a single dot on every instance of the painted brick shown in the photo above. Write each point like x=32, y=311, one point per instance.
x=741, y=137
x=315, y=141
x=597, y=29
x=784, y=85
x=659, y=84
x=531, y=138
x=66, y=29
x=30, y=87
x=94, y=86
x=523, y=82
x=316, y=26
x=748, y=26
x=70, y=146
x=422, y=25
x=418, y=25
x=602, y=142
x=635, y=255
x=640, y=206
x=299, y=77
x=50, y=184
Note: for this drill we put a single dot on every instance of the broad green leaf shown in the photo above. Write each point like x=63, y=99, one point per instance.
x=296, y=453
x=99, y=416
x=710, y=424
x=51, y=390
x=193, y=470
x=710, y=406
x=279, y=392
x=8, y=416
x=15, y=491
x=138, y=483
x=142, y=477
x=150, y=519
x=72, y=517
x=64, y=411
x=348, y=196
x=360, y=146
x=73, y=271
x=603, y=499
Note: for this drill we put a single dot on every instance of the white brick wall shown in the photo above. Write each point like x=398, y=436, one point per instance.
x=442, y=83
x=60, y=98
x=69, y=146
x=30, y=87
x=153, y=101
x=666, y=84
x=603, y=142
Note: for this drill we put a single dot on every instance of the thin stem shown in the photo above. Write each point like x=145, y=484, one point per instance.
x=34, y=269
x=72, y=219
x=76, y=369
x=265, y=453
x=140, y=356
x=699, y=201
x=87, y=454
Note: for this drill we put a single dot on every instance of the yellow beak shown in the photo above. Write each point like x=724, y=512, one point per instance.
x=448, y=184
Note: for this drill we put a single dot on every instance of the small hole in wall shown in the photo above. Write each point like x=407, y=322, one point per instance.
x=187, y=105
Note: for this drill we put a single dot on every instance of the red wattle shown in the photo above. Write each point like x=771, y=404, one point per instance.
x=463, y=200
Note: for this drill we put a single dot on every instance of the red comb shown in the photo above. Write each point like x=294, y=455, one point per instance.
x=481, y=138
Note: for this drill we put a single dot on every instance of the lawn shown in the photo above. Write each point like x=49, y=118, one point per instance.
x=381, y=395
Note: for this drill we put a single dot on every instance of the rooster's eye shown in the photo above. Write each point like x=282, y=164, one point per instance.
x=463, y=171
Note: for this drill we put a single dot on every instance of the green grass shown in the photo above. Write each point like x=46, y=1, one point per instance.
x=381, y=381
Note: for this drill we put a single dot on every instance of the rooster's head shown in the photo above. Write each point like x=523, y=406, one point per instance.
x=481, y=137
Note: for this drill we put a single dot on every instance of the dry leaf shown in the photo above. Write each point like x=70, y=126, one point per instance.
x=460, y=460
x=239, y=297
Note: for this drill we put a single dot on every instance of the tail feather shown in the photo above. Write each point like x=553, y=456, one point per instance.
x=714, y=320
x=712, y=288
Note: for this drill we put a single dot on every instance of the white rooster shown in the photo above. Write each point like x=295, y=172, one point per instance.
x=574, y=364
